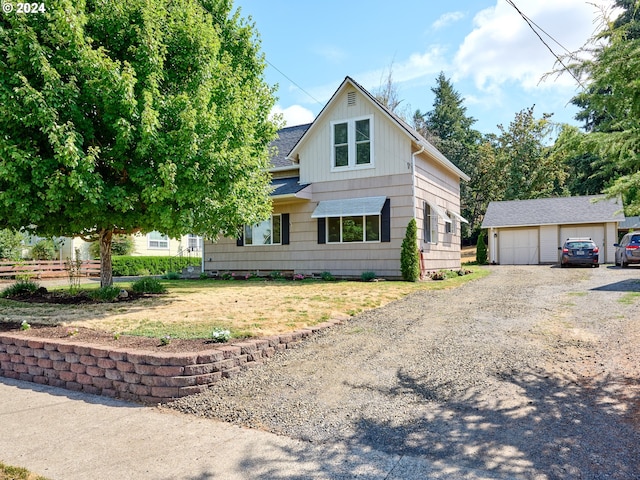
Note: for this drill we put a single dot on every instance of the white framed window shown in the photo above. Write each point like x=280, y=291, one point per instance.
x=450, y=227
x=155, y=240
x=352, y=143
x=194, y=243
x=430, y=226
x=268, y=232
x=351, y=229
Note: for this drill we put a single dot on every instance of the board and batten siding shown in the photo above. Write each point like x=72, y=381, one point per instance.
x=391, y=147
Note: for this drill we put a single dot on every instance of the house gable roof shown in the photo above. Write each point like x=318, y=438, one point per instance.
x=409, y=131
x=286, y=186
x=553, y=211
x=287, y=138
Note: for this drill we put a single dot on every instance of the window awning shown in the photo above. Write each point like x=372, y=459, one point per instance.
x=459, y=217
x=441, y=213
x=350, y=207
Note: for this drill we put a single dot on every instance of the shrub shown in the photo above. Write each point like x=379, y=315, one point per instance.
x=148, y=285
x=367, y=276
x=44, y=250
x=105, y=294
x=21, y=287
x=124, y=266
x=327, y=277
x=409, y=254
x=10, y=244
x=276, y=275
x=171, y=276
x=220, y=335
x=481, y=250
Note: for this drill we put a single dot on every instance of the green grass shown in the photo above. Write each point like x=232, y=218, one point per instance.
x=629, y=298
x=8, y=472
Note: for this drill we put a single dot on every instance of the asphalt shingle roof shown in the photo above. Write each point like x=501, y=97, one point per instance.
x=286, y=186
x=287, y=139
x=553, y=211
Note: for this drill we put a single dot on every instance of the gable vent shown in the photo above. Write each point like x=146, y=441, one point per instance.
x=351, y=99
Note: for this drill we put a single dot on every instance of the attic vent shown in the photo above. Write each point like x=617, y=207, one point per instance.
x=351, y=99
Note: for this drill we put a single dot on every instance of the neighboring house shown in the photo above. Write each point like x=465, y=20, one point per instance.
x=345, y=188
x=151, y=244
x=529, y=232
x=630, y=224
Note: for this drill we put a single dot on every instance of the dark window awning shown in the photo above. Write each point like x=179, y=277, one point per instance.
x=351, y=207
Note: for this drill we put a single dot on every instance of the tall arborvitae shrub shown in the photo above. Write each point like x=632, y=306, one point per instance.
x=481, y=250
x=410, y=255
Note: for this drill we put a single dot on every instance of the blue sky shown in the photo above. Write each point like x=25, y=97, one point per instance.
x=490, y=54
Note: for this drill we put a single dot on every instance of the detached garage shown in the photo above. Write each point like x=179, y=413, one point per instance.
x=529, y=232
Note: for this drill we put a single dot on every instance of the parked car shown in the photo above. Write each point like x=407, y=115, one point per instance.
x=628, y=250
x=579, y=251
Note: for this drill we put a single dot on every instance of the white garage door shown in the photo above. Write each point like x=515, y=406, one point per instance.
x=594, y=232
x=518, y=247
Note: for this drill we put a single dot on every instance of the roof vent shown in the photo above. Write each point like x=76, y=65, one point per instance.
x=351, y=99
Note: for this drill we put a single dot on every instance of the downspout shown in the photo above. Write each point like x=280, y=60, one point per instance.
x=202, y=259
x=415, y=207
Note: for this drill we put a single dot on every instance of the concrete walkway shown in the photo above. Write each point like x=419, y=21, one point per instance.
x=65, y=435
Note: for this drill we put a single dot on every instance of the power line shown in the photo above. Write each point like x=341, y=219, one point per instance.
x=285, y=76
x=531, y=23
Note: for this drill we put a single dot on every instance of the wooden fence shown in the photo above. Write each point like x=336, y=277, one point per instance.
x=46, y=269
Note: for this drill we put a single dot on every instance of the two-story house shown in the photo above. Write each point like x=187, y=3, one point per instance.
x=345, y=188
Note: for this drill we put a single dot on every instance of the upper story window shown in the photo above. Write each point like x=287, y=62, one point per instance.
x=157, y=240
x=264, y=233
x=352, y=143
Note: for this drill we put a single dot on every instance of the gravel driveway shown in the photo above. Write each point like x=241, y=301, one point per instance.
x=532, y=372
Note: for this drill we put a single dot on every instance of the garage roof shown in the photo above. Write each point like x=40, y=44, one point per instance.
x=553, y=211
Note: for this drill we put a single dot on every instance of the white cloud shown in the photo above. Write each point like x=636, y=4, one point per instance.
x=503, y=49
x=294, y=115
x=447, y=19
x=331, y=53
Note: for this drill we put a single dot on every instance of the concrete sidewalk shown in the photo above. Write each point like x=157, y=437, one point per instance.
x=65, y=435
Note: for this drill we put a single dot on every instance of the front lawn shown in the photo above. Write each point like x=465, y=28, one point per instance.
x=251, y=308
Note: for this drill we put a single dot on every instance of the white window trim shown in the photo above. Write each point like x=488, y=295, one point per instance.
x=244, y=242
x=159, y=246
x=364, y=229
x=351, y=138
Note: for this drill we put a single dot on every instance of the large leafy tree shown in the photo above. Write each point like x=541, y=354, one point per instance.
x=123, y=117
x=528, y=168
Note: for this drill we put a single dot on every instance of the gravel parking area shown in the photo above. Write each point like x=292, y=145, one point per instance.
x=532, y=372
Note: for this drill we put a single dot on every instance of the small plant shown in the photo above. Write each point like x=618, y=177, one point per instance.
x=250, y=276
x=74, y=268
x=203, y=276
x=171, y=276
x=220, y=335
x=105, y=294
x=72, y=332
x=25, y=325
x=327, y=277
x=276, y=275
x=227, y=276
x=440, y=275
x=166, y=340
x=116, y=336
x=368, y=276
x=148, y=285
x=21, y=287
x=298, y=276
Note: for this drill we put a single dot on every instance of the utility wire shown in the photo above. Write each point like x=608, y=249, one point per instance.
x=531, y=23
x=285, y=76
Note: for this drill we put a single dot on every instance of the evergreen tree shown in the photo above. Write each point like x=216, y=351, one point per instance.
x=410, y=254
x=481, y=250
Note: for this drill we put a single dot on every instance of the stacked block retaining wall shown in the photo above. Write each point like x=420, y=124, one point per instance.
x=134, y=375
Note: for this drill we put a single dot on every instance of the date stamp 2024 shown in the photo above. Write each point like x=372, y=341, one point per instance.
x=23, y=8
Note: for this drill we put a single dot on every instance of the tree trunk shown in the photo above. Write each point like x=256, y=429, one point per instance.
x=106, y=269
